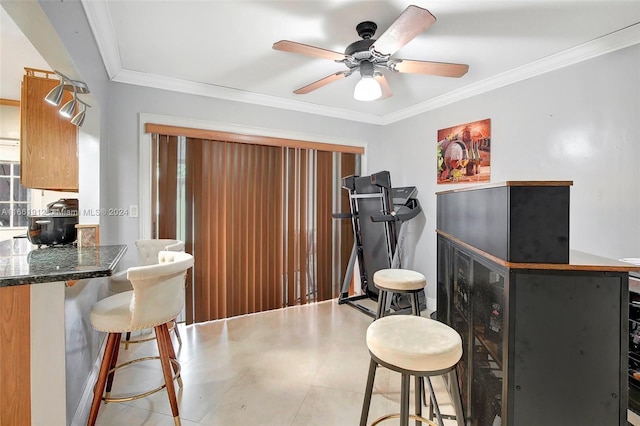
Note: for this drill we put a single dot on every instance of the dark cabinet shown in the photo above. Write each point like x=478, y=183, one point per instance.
x=544, y=343
x=634, y=343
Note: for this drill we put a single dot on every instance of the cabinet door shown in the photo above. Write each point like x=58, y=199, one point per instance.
x=569, y=348
x=461, y=322
x=488, y=295
x=48, y=141
x=634, y=344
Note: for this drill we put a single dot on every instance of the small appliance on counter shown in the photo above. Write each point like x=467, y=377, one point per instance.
x=57, y=226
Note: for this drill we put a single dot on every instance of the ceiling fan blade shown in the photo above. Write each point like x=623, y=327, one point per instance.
x=409, y=24
x=322, y=82
x=384, y=85
x=432, y=68
x=303, y=49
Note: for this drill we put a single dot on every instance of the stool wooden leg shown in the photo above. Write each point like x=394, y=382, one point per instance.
x=112, y=364
x=367, y=393
x=127, y=339
x=172, y=355
x=404, y=400
x=102, y=379
x=163, y=339
x=175, y=329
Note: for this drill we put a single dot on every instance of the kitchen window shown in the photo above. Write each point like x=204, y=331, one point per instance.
x=15, y=200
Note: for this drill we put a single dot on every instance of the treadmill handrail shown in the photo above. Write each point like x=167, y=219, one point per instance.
x=372, y=195
x=341, y=215
x=413, y=205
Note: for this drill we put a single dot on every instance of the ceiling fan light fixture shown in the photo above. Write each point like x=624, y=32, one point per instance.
x=368, y=88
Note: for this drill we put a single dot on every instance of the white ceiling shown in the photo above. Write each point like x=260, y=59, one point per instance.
x=16, y=52
x=224, y=48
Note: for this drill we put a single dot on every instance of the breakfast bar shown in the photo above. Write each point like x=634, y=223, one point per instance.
x=37, y=286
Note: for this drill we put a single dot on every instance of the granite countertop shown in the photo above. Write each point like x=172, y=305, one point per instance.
x=22, y=263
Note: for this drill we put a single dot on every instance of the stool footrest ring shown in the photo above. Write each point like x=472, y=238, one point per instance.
x=126, y=343
x=397, y=416
x=109, y=398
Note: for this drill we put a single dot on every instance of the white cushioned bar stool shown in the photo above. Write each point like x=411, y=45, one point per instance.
x=156, y=299
x=147, y=255
x=413, y=346
x=404, y=281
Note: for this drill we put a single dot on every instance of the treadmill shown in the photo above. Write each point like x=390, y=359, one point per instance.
x=378, y=213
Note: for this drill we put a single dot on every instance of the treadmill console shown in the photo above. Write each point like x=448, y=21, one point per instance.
x=401, y=196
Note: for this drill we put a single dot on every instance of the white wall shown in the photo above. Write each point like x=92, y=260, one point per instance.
x=580, y=123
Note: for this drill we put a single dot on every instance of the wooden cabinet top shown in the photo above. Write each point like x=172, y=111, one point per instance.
x=510, y=183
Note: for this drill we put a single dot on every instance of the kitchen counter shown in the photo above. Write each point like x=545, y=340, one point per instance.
x=22, y=263
x=43, y=326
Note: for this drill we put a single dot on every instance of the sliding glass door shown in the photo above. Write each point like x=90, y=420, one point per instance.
x=257, y=219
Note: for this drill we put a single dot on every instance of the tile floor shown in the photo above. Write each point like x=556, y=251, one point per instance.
x=305, y=365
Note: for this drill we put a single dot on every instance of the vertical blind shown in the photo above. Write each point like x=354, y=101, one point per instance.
x=257, y=219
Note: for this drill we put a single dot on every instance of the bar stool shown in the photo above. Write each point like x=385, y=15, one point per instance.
x=413, y=346
x=403, y=281
x=156, y=299
x=147, y=255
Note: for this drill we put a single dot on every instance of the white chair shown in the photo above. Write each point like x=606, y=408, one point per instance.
x=147, y=255
x=156, y=299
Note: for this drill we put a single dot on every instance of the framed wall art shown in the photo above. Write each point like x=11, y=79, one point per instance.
x=464, y=153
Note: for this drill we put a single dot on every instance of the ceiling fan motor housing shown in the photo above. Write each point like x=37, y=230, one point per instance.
x=358, y=47
x=366, y=30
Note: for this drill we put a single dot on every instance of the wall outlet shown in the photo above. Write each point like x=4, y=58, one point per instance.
x=133, y=210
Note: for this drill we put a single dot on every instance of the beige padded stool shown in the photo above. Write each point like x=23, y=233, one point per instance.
x=156, y=299
x=147, y=255
x=413, y=346
x=405, y=281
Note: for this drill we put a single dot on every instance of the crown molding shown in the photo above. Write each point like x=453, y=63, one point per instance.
x=213, y=91
x=99, y=19
x=620, y=39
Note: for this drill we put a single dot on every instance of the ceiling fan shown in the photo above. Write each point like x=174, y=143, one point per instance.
x=370, y=56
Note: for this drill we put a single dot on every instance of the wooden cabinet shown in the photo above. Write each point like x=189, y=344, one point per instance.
x=545, y=342
x=48, y=141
